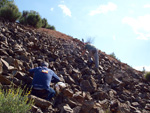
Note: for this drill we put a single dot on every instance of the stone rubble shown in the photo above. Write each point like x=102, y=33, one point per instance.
x=115, y=87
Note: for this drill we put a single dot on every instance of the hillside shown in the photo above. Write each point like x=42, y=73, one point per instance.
x=116, y=86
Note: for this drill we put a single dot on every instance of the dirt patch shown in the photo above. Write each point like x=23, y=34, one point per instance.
x=54, y=33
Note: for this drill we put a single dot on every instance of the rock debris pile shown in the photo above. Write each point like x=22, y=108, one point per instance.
x=115, y=87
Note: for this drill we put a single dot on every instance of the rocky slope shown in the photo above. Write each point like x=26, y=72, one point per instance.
x=115, y=88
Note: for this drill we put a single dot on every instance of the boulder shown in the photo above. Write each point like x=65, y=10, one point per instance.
x=85, y=86
x=67, y=92
x=87, y=106
x=6, y=65
x=41, y=103
x=35, y=109
x=66, y=109
x=4, y=80
x=79, y=98
x=101, y=95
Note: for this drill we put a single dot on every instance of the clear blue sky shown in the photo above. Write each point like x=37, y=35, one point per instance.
x=119, y=26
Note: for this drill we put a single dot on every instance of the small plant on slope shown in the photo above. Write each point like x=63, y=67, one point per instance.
x=14, y=101
x=147, y=76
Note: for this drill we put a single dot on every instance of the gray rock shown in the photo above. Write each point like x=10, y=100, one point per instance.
x=87, y=106
x=41, y=103
x=66, y=109
x=85, y=86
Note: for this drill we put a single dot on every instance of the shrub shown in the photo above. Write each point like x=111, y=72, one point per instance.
x=34, y=19
x=147, y=76
x=44, y=23
x=31, y=18
x=10, y=12
x=50, y=27
x=23, y=19
x=14, y=101
x=114, y=56
x=4, y=2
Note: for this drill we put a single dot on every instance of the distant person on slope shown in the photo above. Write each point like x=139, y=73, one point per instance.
x=42, y=78
x=92, y=52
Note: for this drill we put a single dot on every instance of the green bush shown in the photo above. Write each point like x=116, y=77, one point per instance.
x=10, y=12
x=114, y=56
x=34, y=19
x=5, y=2
x=44, y=23
x=31, y=18
x=50, y=27
x=23, y=18
x=147, y=76
x=14, y=101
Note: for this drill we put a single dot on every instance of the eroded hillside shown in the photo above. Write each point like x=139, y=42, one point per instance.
x=116, y=86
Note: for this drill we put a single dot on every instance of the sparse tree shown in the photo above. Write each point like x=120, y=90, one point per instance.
x=44, y=23
x=50, y=27
x=23, y=19
x=4, y=2
x=114, y=56
x=10, y=12
x=34, y=19
x=31, y=18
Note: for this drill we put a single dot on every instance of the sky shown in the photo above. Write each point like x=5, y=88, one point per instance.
x=121, y=27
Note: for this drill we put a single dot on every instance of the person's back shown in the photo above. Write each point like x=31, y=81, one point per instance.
x=89, y=47
x=42, y=78
x=92, y=52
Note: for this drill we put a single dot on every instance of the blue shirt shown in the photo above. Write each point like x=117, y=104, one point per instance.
x=43, y=76
x=89, y=47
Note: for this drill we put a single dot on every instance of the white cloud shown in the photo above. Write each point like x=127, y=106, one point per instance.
x=131, y=11
x=140, y=68
x=140, y=25
x=62, y=1
x=52, y=9
x=65, y=9
x=114, y=37
x=104, y=9
x=133, y=5
x=147, y=6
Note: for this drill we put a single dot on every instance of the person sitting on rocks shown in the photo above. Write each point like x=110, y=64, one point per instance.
x=42, y=78
x=92, y=52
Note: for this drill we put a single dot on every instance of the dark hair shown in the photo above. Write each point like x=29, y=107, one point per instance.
x=44, y=64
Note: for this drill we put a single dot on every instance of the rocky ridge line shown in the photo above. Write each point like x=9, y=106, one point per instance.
x=116, y=86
